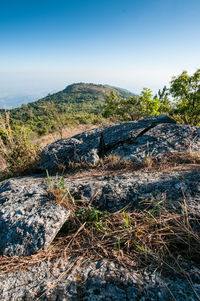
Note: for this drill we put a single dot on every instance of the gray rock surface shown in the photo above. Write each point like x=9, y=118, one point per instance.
x=164, y=138
x=23, y=202
x=113, y=192
x=90, y=145
x=97, y=281
x=28, y=220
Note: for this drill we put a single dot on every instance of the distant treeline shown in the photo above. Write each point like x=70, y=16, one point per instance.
x=89, y=103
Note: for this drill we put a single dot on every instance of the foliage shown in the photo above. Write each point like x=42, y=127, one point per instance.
x=133, y=108
x=15, y=147
x=181, y=100
x=121, y=108
x=185, y=90
x=149, y=106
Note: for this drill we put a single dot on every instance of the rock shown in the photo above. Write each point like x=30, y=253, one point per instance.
x=82, y=147
x=28, y=220
x=159, y=140
x=90, y=145
x=113, y=192
x=97, y=281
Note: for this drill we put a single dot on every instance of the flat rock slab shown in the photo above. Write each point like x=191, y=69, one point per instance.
x=28, y=220
x=98, y=281
x=91, y=145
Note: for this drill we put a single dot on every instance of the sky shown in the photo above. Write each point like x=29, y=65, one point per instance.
x=46, y=45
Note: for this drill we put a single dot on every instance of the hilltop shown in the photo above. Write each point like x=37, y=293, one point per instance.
x=80, y=101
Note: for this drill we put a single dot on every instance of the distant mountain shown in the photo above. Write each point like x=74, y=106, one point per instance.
x=74, y=98
x=78, y=98
x=121, y=89
x=16, y=100
x=82, y=93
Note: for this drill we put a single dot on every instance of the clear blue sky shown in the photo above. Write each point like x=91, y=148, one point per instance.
x=48, y=44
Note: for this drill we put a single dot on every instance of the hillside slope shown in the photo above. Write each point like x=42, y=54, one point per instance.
x=75, y=99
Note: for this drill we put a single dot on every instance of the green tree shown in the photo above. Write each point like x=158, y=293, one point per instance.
x=57, y=120
x=133, y=108
x=185, y=90
x=149, y=106
x=121, y=108
x=164, y=100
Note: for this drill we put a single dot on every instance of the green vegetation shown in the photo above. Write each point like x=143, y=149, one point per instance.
x=185, y=91
x=77, y=104
x=88, y=103
x=181, y=101
x=17, y=152
x=136, y=107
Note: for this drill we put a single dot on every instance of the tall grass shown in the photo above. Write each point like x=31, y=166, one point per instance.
x=16, y=150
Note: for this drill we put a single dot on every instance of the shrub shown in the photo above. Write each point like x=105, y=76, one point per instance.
x=18, y=153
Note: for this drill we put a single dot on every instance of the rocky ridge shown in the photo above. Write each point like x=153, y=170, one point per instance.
x=153, y=136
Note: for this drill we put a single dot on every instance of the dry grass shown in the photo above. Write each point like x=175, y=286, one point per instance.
x=18, y=154
x=172, y=160
x=149, y=236
x=108, y=164
x=68, y=132
x=114, y=164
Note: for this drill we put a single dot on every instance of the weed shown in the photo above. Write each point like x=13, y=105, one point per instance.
x=118, y=246
x=126, y=218
x=58, y=192
x=89, y=214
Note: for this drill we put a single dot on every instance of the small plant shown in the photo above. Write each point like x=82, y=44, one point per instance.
x=89, y=214
x=118, y=246
x=99, y=226
x=58, y=192
x=126, y=218
x=155, y=210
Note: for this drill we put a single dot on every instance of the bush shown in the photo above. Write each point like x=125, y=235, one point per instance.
x=18, y=153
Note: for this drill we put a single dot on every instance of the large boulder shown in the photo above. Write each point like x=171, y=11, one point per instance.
x=29, y=221
x=91, y=145
x=160, y=140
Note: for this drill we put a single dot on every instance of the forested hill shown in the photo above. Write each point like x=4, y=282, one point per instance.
x=77, y=101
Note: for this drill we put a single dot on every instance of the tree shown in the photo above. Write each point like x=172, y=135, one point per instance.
x=185, y=90
x=133, y=108
x=56, y=119
x=121, y=108
x=149, y=106
x=164, y=101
